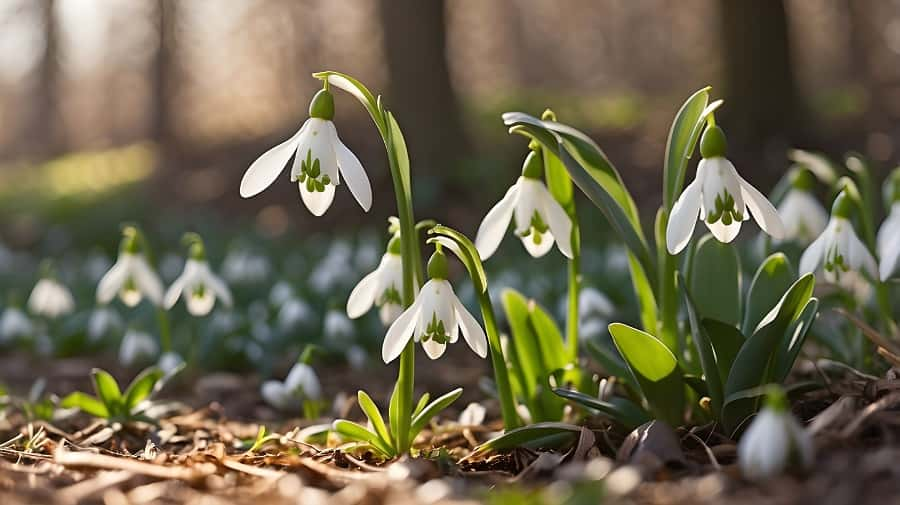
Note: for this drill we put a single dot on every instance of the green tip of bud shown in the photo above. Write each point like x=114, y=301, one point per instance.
x=322, y=105
x=842, y=206
x=129, y=244
x=548, y=115
x=533, y=168
x=534, y=145
x=713, y=143
x=196, y=249
x=776, y=399
x=394, y=246
x=437, y=265
x=803, y=180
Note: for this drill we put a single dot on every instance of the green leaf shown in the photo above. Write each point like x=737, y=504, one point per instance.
x=753, y=363
x=612, y=363
x=706, y=351
x=525, y=342
x=790, y=346
x=643, y=291
x=141, y=387
x=526, y=435
x=680, y=145
x=357, y=433
x=371, y=411
x=774, y=276
x=399, y=147
x=620, y=410
x=107, y=389
x=726, y=341
x=656, y=370
x=432, y=410
x=465, y=250
x=715, y=280
x=394, y=412
x=423, y=402
x=85, y=403
x=550, y=338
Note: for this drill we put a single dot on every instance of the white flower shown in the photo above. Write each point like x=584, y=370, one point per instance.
x=434, y=319
x=103, y=321
x=472, y=415
x=803, y=216
x=14, y=324
x=888, y=243
x=137, y=346
x=245, y=267
x=169, y=362
x=720, y=198
x=280, y=293
x=838, y=250
x=320, y=158
x=131, y=278
x=382, y=287
x=51, y=299
x=594, y=311
x=200, y=288
x=357, y=357
x=337, y=328
x=771, y=443
x=539, y=220
x=293, y=313
x=301, y=384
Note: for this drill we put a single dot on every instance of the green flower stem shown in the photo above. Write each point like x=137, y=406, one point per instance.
x=668, y=290
x=165, y=330
x=572, y=314
x=501, y=373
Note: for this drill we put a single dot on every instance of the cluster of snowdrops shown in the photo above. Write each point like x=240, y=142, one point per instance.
x=705, y=347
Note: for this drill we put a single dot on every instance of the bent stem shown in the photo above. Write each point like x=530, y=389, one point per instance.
x=501, y=373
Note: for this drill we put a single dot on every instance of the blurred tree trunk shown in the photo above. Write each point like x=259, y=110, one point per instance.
x=43, y=133
x=759, y=80
x=160, y=73
x=421, y=94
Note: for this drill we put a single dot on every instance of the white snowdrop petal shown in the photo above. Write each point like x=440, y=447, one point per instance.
x=725, y=233
x=684, y=216
x=814, y=255
x=389, y=312
x=263, y=172
x=433, y=349
x=275, y=394
x=762, y=210
x=174, y=291
x=354, y=174
x=495, y=223
x=558, y=221
x=112, y=281
x=200, y=305
x=363, y=295
x=889, y=258
x=146, y=280
x=317, y=201
x=219, y=288
x=859, y=256
x=538, y=250
x=471, y=330
x=400, y=332
x=303, y=377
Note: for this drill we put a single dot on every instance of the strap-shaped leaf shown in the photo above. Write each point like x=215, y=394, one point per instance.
x=774, y=276
x=656, y=370
x=352, y=431
x=727, y=342
x=433, y=408
x=141, y=387
x=423, y=402
x=752, y=366
x=85, y=403
x=371, y=411
x=790, y=346
x=107, y=389
x=715, y=280
x=526, y=436
x=524, y=340
x=620, y=410
x=611, y=362
x=680, y=145
x=705, y=350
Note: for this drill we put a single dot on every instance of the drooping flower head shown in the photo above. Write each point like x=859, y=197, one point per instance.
x=774, y=441
x=888, y=240
x=320, y=159
x=434, y=319
x=197, y=284
x=719, y=197
x=803, y=216
x=539, y=219
x=131, y=277
x=301, y=384
x=50, y=298
x=382, y=288
x=838, y=251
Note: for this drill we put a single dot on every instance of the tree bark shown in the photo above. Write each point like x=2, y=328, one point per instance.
x=43, y=131
x=160, y=74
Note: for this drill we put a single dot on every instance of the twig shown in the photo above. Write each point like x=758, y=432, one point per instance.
x=93, y=460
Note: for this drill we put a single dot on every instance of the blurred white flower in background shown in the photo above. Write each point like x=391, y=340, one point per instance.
x=337, y=329
x=334, y=270
x=130, y=277
x=243, y=266
x=169, y=362
x=14, y=325
x=95, y=266
x=280, y=293
x=197, y=284
x=137, y=347
x=357, y=357
x=300, y=384
x=774, y=441
x=888, y=243
x=51, y=299
x=838, y=252
x=293, y=314
x=103, y=322
x=222, y=322
x=595, y=310
x=803, y=216
x=472, y=415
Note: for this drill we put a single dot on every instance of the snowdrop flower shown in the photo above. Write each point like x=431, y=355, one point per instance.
x=774, y=441
x=103, y=322
x=434, y=319
x=803, y=216
x=197, y=283
x=320, y=158
x=337, y=328
x=720, y=198
x=245, y=267
x=294, y=313
x=357, y=357
x=888, y=240
x=334, y=269
x=131, y=276
x=381, y=288
x=594, y=311
x=472, y=415
x=51, y=299
x=14, y=324
x=838, y=250
x=170, y=362
x=539, y=219
x=280, y=293
x=137, y=346
x=300, y=384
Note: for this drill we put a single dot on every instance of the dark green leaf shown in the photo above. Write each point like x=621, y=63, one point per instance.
x=520, y=437
x=774, y=276
x=620, y=410
x=790, y=346
x=726, y=341
x=715, y=280
x=683, y=137
x=705, y=350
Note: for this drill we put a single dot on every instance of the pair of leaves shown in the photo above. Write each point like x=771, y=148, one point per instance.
x=618, y=409
x=111, y=402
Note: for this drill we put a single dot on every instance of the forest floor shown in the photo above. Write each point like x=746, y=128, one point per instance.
x=199, y=454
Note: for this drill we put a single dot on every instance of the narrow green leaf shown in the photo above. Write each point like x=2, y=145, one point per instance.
x=399, y=147
x=774, y=276
x=715, y=280
x=620, y=410
x=394, y=412
x=432, y=410
x=612, y=363
x=524, y=436
x=705, y=350
x=141, y=387
x=357, y=433
x=371, y=411
x=85, y=403
x=550, y=338
x=643, y=291
x=558, y=182
x=107, y=389
x=423, y=402
x=525, y=341
x=656, y=370
x=726, y=341
x=791, y=345
x=683, y=137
